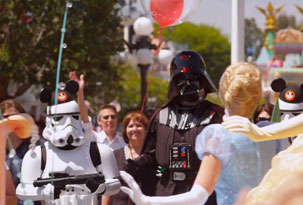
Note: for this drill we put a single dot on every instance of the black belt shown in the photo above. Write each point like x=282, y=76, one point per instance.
x=178, y=176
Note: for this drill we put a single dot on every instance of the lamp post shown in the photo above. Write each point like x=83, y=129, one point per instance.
x=144, y=59
x=141, y=48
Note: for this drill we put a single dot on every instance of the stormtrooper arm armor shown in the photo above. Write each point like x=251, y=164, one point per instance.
x=29, y=172
x=109, y=169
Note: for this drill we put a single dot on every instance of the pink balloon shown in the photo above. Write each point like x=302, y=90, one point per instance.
x=166, y=12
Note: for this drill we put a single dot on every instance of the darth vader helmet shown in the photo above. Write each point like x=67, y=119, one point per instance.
x=189, y=76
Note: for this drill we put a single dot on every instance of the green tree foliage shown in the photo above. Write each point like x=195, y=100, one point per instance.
x=130, y=97
x=30, y=34
x=254, y=38
x=284, y=21
x=206, y=40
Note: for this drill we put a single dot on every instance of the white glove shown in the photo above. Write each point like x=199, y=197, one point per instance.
x=101, y=189
x=48, y=192
x=243, y=125
x=196, y=196
x=287, y=128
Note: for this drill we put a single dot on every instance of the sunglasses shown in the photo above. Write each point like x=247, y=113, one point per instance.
x=262, y=119
x=106, y=117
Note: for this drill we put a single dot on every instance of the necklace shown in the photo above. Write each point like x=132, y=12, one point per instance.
x=128, y=153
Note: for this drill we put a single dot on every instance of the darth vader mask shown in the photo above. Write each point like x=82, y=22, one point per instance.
x=191, y=91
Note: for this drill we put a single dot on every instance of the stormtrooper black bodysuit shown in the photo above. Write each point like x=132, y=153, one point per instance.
x=67, y=152
x=173, y=129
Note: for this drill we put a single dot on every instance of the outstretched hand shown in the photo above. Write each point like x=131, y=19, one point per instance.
x=81, y=82
x=243, y=125
x=134, y=192
x=81, y=102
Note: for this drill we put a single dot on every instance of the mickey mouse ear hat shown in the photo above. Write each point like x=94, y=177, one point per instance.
x=64, y=98
x=290, y=98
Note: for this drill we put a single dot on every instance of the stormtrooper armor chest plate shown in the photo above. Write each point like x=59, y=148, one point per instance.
x=73, y=162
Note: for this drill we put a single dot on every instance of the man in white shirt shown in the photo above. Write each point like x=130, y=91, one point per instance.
x=108, y=120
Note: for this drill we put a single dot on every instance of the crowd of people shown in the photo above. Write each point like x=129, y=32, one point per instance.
x=182, y=153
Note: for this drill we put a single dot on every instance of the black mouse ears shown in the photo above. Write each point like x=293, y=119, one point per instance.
x=45, y=95
x=64, y=95
x=72, y=87
x=278, y=85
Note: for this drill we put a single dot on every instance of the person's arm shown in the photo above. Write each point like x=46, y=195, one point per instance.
x=209, y=172
x=213, y=147
x=204, y=184
x=284, y=129
x=81, y=99
x=109, y=169
x=11, y=197
x=106, y=200
x=90, y=134
x=2, y=167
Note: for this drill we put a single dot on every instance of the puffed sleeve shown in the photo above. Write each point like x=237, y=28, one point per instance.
x=216, y=140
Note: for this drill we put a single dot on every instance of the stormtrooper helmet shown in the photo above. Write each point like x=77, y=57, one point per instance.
x=63, y=122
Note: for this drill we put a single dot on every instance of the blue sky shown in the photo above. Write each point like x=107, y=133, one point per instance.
x=217, y=13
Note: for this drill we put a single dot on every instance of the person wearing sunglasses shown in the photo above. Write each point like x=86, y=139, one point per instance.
x=108, y=120
x=263, y=112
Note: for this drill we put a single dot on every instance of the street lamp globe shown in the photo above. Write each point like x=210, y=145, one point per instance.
x=143, y=26
x=144, y=56
x=165, y=57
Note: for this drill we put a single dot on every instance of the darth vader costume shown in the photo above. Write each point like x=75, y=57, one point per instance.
x=173, y=128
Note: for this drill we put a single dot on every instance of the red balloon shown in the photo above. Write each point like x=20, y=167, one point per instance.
x=166, y=12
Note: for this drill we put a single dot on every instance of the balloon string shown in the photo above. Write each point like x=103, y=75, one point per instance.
x=147, y=86
x=63, y=30
x=160, y=36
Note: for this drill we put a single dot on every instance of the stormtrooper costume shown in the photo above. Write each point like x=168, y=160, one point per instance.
x=67, y=153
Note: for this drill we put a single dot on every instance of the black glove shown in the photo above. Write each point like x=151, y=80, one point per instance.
x=136, y=167
x=131, y=167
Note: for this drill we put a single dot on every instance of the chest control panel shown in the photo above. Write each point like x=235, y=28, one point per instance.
x=180, y=156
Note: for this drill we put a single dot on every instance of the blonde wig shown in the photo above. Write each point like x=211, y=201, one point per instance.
x=240, y=89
